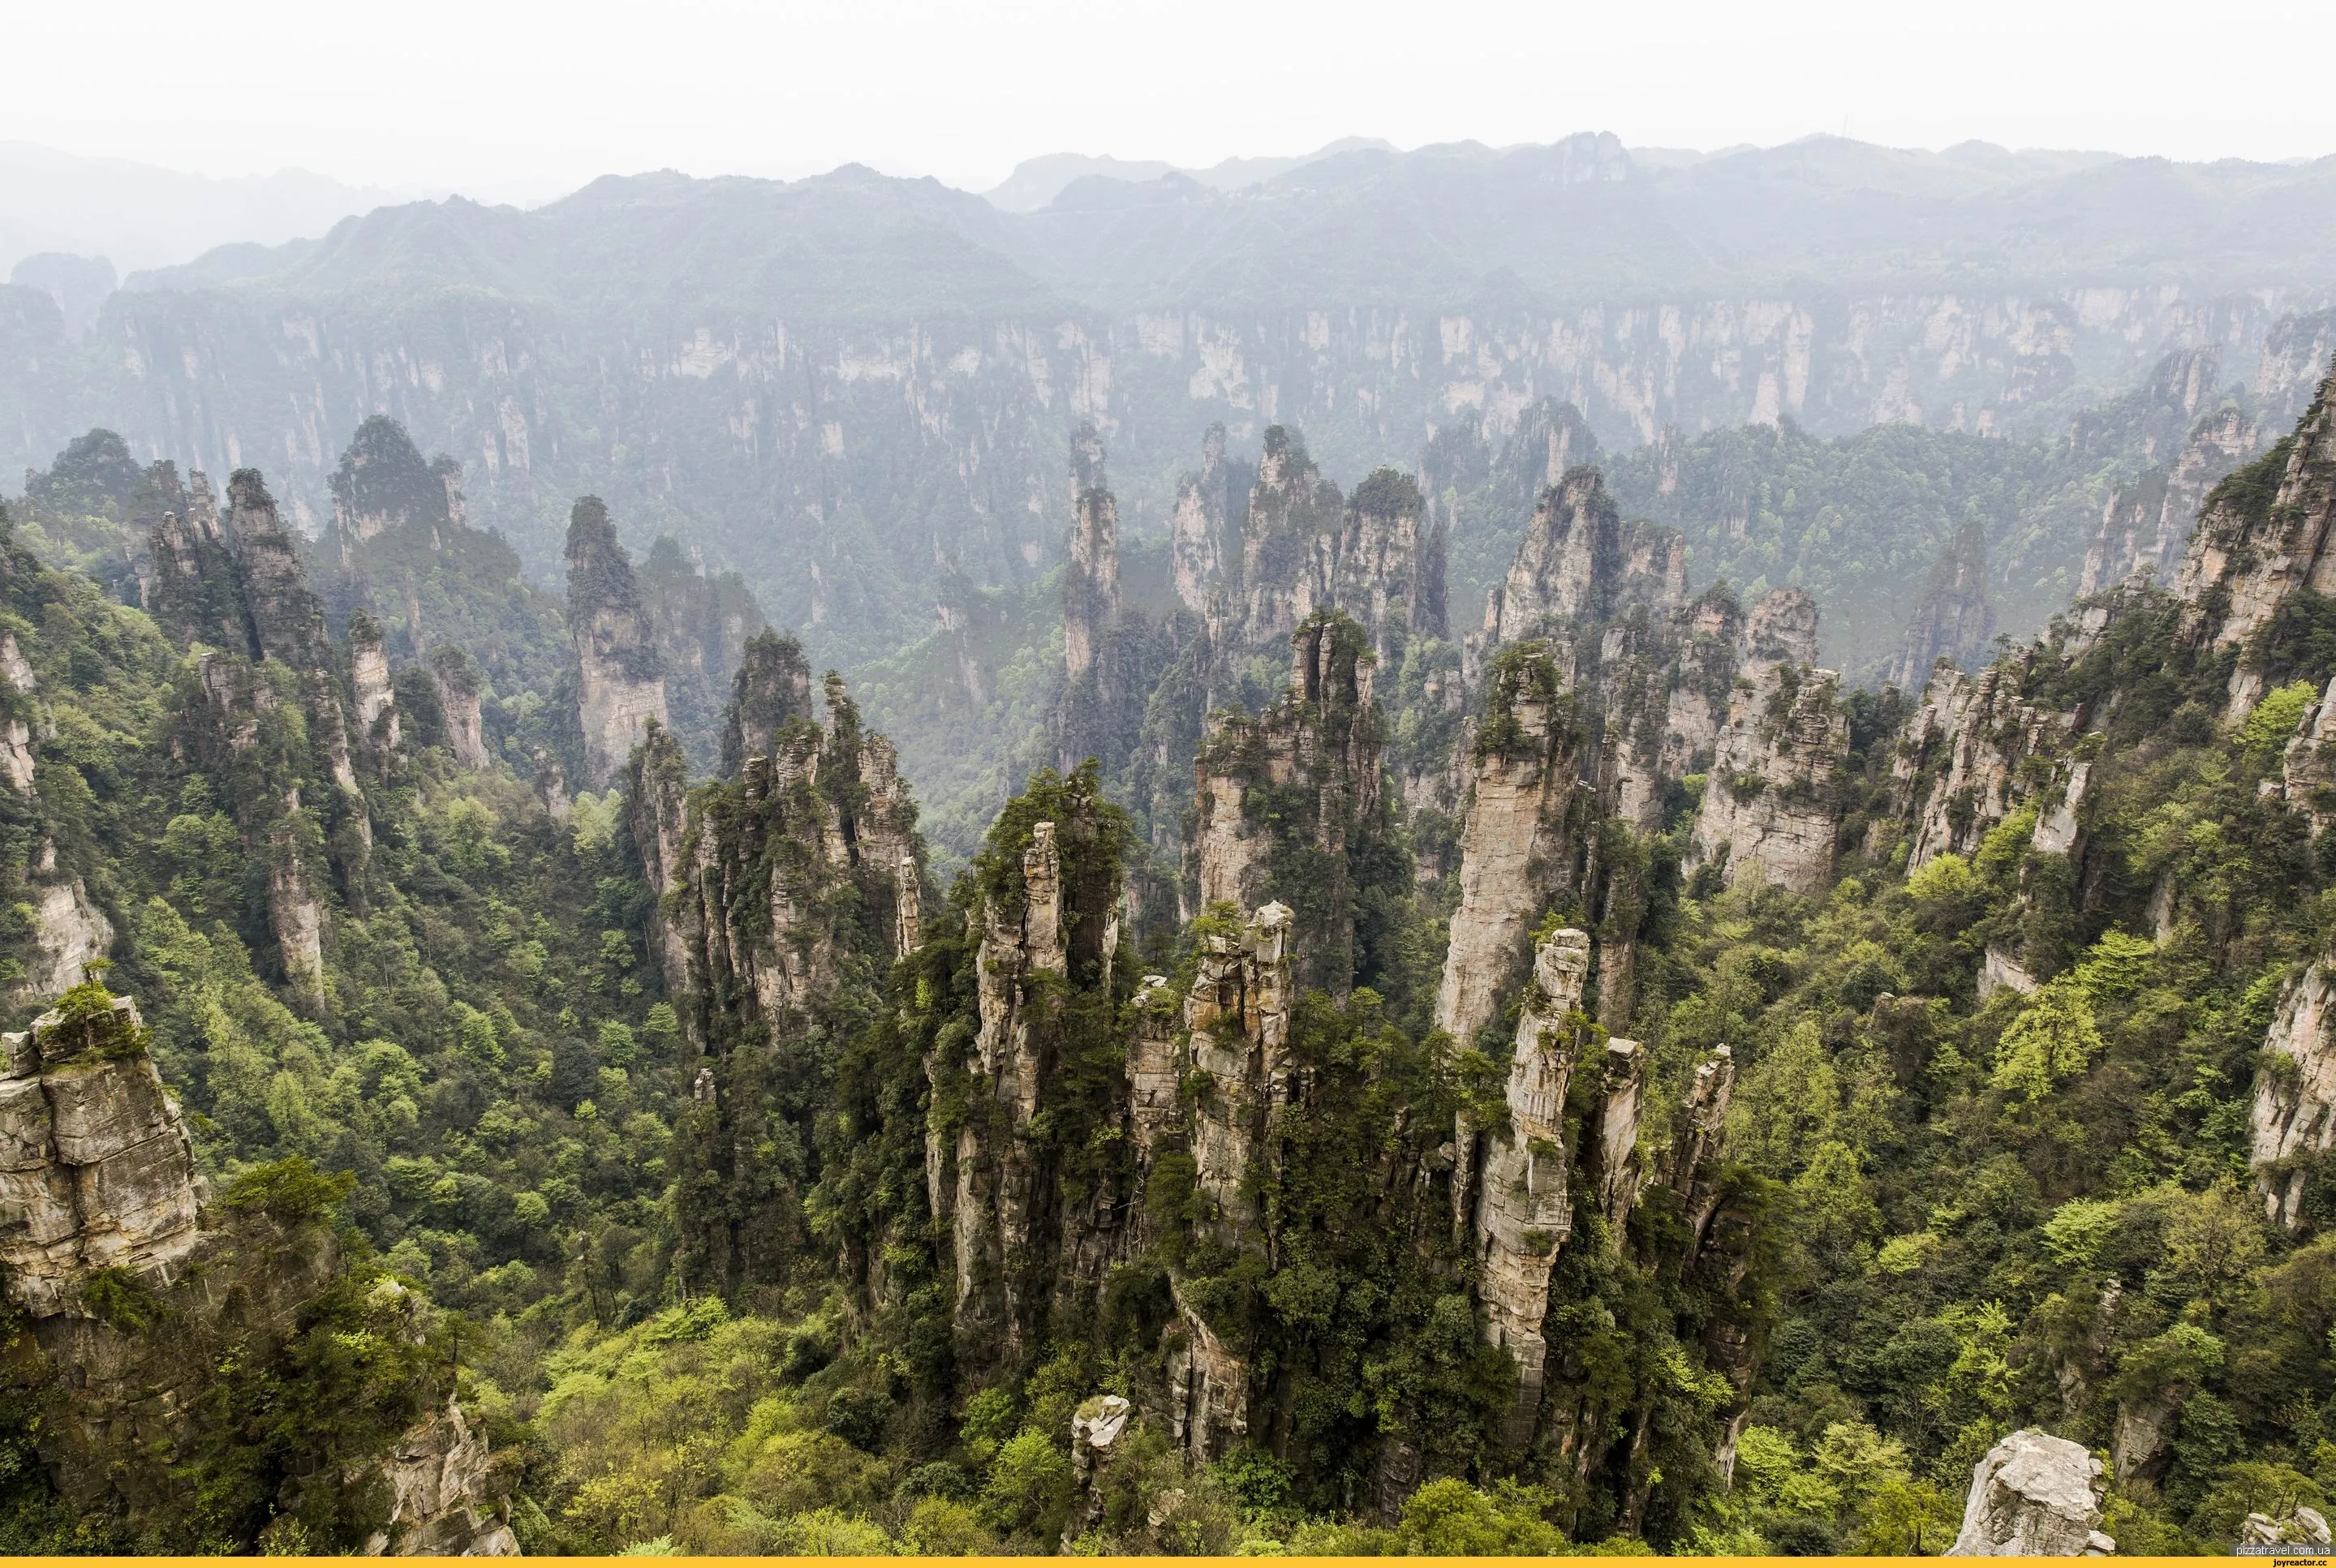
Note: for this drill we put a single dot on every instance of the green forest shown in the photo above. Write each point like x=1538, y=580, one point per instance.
x=752, y=1177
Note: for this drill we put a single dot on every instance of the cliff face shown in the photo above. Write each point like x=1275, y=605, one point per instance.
x=1290, y=802
x=459, y=684
x=264, y=708
x=1522, y=1212
x=383, y=485
x=1522, y=843
x=2146, y=524
x=1112, y=658
x=1954, y=621
x=1580, y=565
x=620, y=683
x=1290, y=507
x=105, y=1235
x=772, y=693
x=1771, y=799
x=96, y=1171
x=1382, y=565
x=2292, y=1122
x=1973, y=752
x=2264, y=537
x=1043, y=973
x=378, y=726
x=766, y=888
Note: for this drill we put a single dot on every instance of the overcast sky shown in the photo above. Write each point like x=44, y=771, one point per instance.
x=507, y=100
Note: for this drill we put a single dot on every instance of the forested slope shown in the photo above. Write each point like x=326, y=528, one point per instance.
x=1600, y=1078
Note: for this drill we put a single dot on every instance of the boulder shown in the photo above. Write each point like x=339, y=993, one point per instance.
x=2034, y=1496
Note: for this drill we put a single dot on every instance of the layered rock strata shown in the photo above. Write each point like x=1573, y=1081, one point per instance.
x=96, y=1170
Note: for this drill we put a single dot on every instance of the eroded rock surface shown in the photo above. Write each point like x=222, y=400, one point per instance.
x=1771, y=799
x=2034, y=1496
x=438, y=1479
x=1522, y=1212
x=620, y=688
x=2293, y=1118
x=1522, y=808
x=96, y=1171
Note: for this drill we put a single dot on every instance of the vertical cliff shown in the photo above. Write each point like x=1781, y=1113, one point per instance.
x=621, y=675
x=378, y=729
x=1290, y=802
x=2292, y=1121
x=96, y=1171
x=133, y=1290
x=1522, y=1212
x=771, y=692
x=1772, y=797
x=2146, y=524
x=460, y=683
x=1525, y=836
x=1953, y=620
x=2263, y=540
x=1050, y=889
x=770, y=889
x=1972, y=753
x=1580, y=565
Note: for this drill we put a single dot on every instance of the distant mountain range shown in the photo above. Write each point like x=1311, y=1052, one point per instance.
x=855, y=389
x=136, y=215
x=1036, y=181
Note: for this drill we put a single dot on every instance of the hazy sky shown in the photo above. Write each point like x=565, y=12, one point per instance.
x=509, y=99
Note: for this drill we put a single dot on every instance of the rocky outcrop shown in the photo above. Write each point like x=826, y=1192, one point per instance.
x=1237, y=1015
x=772, y=691
x=69, y=932
x=1771, y=798
x=1290, y=507
x=1580, y=564
x=2293, y=1123
x=2265, y=533
x=1953, y=620
x=657, y=797
x=1523, y=1214
x=1096, y=1427
x=2034, y=1496
x=620, y=687
x=1298, y=786
x=459, y=685
x=2307, y=780
x=297, y=914
x=101, y=1213
x=1208, y=1387
x=439, y=1489
x=2304, y=1526
x=1519, y=849
x=1612, y=1129
x=1690, y=1166
x=2145, y=525
x=1091, y=574
x=1383, y=565
x=96, y=1170
x=1975, y=751
x=384, y=484
x=1204, y=535
x=376, y=699
x=1023, y=964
